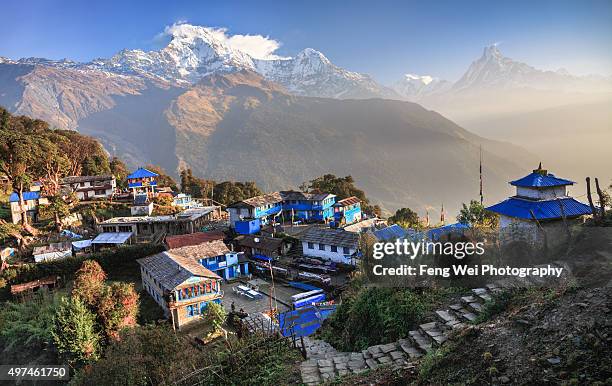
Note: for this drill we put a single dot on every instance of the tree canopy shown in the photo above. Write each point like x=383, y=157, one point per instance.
x=405, y=217
x=342, y=187
x=476, y=215
x=31, y=151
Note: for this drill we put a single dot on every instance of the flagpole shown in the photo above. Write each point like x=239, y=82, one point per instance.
x=480, y=174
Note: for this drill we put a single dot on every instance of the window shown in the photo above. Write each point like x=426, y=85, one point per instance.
x=345, y=250
x=334, y=248
x=321, y=247
x=310, y=245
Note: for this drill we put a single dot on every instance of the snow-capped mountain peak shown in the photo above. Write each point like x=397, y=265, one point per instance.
x=197, y=51
x=414, y=87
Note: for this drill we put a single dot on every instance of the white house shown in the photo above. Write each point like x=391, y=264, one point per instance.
x=90, y=187
x=330, y=244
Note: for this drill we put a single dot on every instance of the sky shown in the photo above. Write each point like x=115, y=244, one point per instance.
x=382, y=38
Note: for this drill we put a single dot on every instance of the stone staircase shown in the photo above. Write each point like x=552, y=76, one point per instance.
x=325, y=363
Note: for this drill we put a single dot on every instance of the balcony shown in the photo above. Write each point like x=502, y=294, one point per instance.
x=195, y=299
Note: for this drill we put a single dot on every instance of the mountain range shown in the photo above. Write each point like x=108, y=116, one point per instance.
x=200, y=102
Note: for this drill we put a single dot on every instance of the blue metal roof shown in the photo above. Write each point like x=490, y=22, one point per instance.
x=304, y=321
x=26, y=196
x=543, y=210
x=456, y=228
x=539, y=180
x=391, y=232
x=142, y=173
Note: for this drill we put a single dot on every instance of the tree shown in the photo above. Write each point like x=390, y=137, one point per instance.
x=228, y=192
x=117, y=308
x=163, y=179
x=89, y=283
x=476, y=215
x=18, y=160
x=216, y=314
x=342, y=187
x=86, y=155
x=57, y=208
x=405, y=217
x=74, y=332
x=120, y=171
x=196, y=187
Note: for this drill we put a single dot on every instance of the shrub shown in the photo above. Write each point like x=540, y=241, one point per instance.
x=216, y=314
x=117, y=308
x=26, y=328
x=89, y=282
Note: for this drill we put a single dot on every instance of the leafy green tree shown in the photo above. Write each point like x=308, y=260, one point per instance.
x=163, y=179
x=215, y=314
x=86, y=155
x=120, y=171
x=19, y=153
x=228, y=192
x=475, y=214
x=342, y=187
x=196, y=187
x=74, y=333
x=405, y=217
x=58, y=208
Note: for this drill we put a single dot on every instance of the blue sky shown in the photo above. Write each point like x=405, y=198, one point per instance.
x=382, y=38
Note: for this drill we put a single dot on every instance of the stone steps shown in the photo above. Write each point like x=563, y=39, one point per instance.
x=325, y=363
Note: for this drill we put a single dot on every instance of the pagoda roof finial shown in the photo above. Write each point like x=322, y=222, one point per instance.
x=541, y=171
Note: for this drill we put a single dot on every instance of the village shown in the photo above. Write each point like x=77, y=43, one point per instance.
x=138, y=250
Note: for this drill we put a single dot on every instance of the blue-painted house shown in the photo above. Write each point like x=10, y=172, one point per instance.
x=347, y=211
x=542, y=198
x=216, y=257
x=318, y=207
x=247, y=216
x=142, y=181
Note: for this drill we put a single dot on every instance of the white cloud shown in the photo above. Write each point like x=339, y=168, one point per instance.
x=257, y=46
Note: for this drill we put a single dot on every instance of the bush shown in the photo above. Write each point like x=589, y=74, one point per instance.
x=216, y=315
x=26, y=328
x=378, y=315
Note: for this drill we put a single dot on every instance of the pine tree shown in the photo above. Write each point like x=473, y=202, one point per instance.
x=75, y=334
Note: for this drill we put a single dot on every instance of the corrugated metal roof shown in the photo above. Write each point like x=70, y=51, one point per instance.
x=26, y=196
x=543, y=210
x=265, y=199
x=112, y=238
x=329, y=236
x=391, y=232
x=348, y=201
x=455, y=229
x=193, y=239
x=539, y=180
x=142, y=173
x=78, y=179
x=302, y=196
x=203, y=250
x=170, y=270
